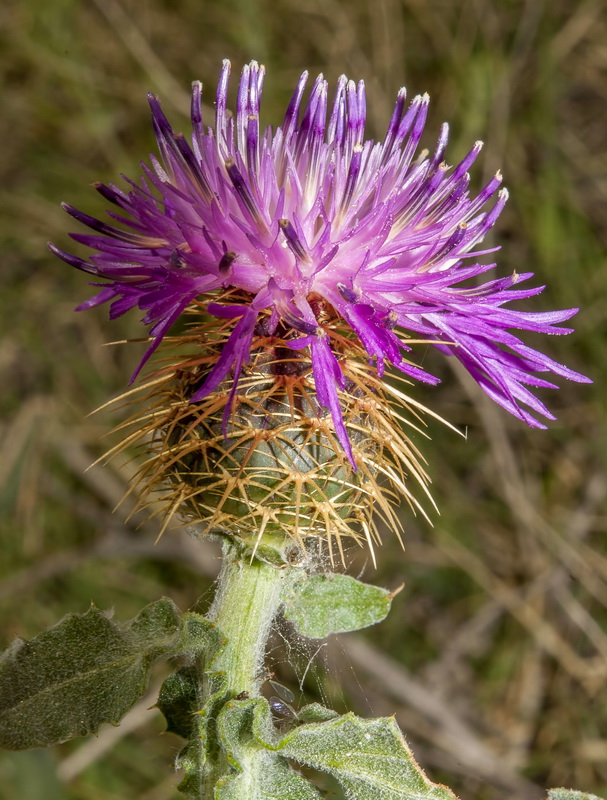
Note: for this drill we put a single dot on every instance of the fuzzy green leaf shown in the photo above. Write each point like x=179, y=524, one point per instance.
x=570, y=794
x=275, y=781
x=315, y=712
x=192, y=760
x=178, y=702
x=190, y=715
x=86, y=670
x=179, y=699
x=319, y=605
x=369, y=758
x=193, y=717
x=258, y=773
x=202, y=729
x=198, y=635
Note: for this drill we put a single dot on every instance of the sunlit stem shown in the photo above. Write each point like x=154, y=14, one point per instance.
x=248, y=596
x=246, y=601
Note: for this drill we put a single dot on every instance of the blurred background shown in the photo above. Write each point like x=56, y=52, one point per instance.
x=494, y=657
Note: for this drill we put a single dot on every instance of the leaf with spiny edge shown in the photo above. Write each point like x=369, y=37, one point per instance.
x=368, y=757
x=203, y=744
x=179, y=698
x=192, y=716
x=87, y=670
x=245, y=730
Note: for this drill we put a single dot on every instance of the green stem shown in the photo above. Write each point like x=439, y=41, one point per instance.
x=248, y=596
x=246, y=601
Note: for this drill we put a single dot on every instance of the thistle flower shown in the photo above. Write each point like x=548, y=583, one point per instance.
x=311, y=249
x=311, y=219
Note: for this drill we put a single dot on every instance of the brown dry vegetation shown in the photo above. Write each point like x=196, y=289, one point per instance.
x=495, y=655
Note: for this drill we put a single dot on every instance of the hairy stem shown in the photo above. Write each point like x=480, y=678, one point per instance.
x=247, y=598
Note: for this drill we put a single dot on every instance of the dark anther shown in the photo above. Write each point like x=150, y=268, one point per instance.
x=242, y=189
x=226, y=261
x=177, y=260
x=293, y=240
x=349, y=295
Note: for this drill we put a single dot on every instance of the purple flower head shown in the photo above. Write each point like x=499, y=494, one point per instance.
x=312, y=213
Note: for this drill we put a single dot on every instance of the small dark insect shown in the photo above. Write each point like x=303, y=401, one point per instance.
x=282, y=709
x=242, y=696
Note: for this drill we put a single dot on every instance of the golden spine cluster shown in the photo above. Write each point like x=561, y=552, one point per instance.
x=272, y=467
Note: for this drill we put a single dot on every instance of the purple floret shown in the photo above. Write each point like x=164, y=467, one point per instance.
x=389, y=239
